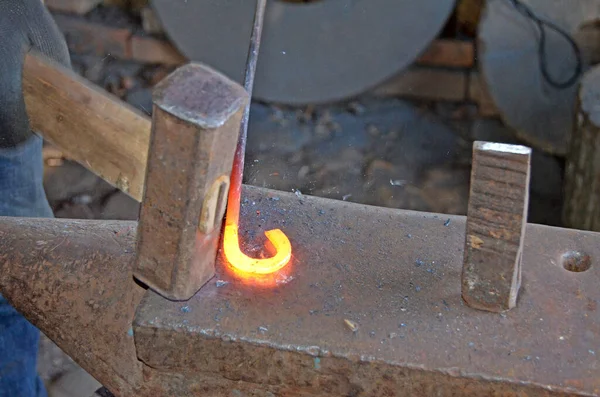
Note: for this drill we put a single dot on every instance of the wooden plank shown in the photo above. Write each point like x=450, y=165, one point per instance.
x=91, y=38
x=151, y=50
x=496, y=220
x=112, y=137
x=449, y=53
x=582, y=174
x=426, y=84
x=72, y=6
x=478, y=93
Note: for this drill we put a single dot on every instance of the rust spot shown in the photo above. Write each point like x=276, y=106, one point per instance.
x=575, y=383
x=475, y=242
x=592, y=305
x=501, y=234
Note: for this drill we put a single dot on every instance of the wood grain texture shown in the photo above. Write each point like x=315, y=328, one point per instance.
x=496, y=220
x=582, y=174
x=92, y=127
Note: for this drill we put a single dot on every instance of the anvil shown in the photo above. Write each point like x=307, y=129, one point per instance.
x=372, y=303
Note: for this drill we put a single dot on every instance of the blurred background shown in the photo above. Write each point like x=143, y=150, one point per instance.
x=404, y=143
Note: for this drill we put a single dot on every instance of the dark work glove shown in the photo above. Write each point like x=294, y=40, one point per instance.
x=24, y=24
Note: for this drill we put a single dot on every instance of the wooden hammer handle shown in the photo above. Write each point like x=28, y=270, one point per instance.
x=98, y=130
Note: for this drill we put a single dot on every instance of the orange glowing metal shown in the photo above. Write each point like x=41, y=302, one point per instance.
x=231, y=243
x=242, y=262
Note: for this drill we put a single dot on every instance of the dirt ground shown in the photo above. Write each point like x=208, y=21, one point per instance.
x=383, y=152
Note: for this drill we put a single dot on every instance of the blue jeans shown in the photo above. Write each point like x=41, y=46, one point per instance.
x=21, y=194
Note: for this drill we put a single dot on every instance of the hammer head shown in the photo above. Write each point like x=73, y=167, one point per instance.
x=195, y=126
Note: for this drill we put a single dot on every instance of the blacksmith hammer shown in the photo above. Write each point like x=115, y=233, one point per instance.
x=177, y=165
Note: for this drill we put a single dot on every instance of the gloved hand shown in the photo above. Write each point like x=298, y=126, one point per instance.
x=24, y=24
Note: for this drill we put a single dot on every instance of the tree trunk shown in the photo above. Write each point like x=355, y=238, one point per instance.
x=582, y=175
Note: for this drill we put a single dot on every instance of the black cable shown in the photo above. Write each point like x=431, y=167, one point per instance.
x=541, y=25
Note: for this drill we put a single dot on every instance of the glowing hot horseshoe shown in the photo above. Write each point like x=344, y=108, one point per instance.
x=244, y=263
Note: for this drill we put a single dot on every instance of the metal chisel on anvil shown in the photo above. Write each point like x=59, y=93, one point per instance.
x=373, y=302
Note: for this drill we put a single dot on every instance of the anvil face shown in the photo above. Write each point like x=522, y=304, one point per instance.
x=371, y=304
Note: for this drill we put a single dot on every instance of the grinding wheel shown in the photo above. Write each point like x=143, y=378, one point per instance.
x=509, y=60
x=314, y=52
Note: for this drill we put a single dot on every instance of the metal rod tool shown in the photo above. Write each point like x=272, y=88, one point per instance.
x=237, y=171
x=231, y=246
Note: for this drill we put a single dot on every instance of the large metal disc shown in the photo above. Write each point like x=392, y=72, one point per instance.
x=311, y=52
x=509, y=60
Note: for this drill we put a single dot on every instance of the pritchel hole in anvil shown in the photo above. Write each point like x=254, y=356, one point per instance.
x=576, y=261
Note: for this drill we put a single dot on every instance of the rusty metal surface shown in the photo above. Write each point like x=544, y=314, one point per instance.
x=200, y=95
x=496, y=223
x=392, y=274
x=73, y=280
x=195, y=125
x=396, y=276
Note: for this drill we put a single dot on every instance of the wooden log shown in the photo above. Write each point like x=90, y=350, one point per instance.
x=582, y=175
x=496, y=221
x=99, y=131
